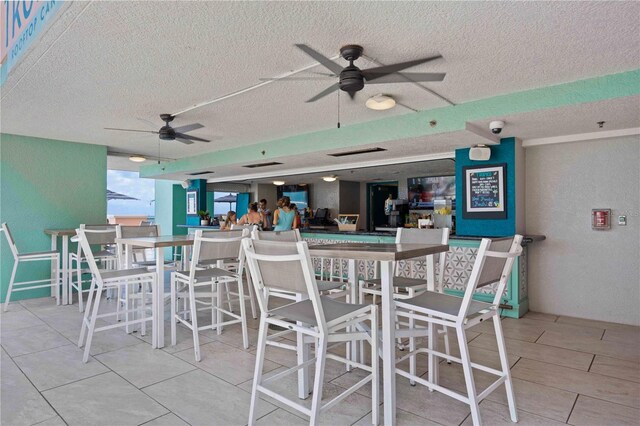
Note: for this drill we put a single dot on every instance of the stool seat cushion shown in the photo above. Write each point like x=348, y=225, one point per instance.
x=444, y=303
x=207, y=274
x=303, y=311
x=403, y=282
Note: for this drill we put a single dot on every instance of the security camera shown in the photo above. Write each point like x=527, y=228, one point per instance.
x=496, y=127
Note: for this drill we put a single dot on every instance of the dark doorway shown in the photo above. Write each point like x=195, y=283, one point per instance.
x=378, y=193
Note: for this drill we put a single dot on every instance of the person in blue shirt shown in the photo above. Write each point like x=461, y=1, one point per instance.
x=284, y=217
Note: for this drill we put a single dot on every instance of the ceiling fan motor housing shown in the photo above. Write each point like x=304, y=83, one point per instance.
x=167, y=133
x=351, y=79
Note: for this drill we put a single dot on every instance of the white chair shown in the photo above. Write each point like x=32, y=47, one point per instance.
x=194, y=283
x=319, y=319
x=493, y=264
x=138, y=277
x=103, y=251
x=47, y=256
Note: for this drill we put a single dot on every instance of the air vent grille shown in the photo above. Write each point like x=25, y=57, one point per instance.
x=357, y=152
x=254, y=166
x=200, y=173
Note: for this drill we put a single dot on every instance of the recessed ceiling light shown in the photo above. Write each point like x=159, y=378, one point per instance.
x=329, y=178
x=137, y=158
x=278, y=182
x=380, y=102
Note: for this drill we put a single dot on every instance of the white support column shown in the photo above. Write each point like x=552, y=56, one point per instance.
x=388, y=343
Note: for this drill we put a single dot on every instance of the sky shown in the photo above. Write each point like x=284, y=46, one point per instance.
x=128, y=183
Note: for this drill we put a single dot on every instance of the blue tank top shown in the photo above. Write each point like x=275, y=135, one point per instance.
x=285, y=220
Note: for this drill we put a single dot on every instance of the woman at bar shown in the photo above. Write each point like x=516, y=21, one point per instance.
x=283, y=218
x=297, y=221
x=228, y=221
x=253, y=217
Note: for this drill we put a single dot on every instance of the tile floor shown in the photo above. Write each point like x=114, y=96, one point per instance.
x=566, y=370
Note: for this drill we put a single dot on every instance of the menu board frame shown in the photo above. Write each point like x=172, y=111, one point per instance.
x=192, y=202
x=497, y=212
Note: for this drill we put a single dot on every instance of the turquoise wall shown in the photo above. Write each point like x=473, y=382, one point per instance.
x=503, y=153
x=44, y=184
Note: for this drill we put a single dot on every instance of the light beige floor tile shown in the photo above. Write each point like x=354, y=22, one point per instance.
x=282, y=417
x=184, y=339
x=105, y=341
x=530, y=329
x=594, y=323
x=628, y=370
x=539, y=316
x=141, y=365
x=39, y=303
x=624, y=335
x=58, y=366
x=32, y=339
x=167, y=420
x=226, y=362
x=18, y=319
x=103, y=400
x=21, y=403
x=591, y=411
x=232, y=335
x=435, y=406
x=590, y=384
x=54, y=421
x=62, y=319
x=629, y=352
x=538, y=399
x=202, y=399
x=403, y=418
x=495, y=414
x=13, y=307
x=539, y=352
x=348, y=411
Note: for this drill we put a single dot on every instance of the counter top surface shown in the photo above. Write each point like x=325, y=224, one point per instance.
x=527, y=238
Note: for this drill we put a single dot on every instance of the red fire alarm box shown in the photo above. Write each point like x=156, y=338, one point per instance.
x=601, y=219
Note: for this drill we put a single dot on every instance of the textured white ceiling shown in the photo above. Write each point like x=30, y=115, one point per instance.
x=109, y=64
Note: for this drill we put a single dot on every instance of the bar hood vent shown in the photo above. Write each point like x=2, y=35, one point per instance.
x=357, y=152
x=254, y=166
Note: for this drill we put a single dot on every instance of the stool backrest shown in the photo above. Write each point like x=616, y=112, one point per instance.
x=282, y=266
x=85, y=236
x=12, y=243
x=100, y=238
x=494, y=263
x=251, y=228
x=217, y=245
x=291, y=236
x=125, y=231
x=427, y=236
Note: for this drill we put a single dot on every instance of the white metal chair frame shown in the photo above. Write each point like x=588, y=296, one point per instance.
x=185, y=283
x=301, y=279
x=411, y=289
x=491, y=265
x=108, y=259
x=49, y=256
x=138, y=277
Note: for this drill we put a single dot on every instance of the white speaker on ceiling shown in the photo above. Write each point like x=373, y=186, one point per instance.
x=185, y=183
x=480, y=153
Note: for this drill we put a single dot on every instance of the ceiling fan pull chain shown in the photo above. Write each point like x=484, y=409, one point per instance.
x=338, y=109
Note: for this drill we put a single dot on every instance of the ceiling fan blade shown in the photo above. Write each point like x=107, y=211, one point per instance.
x=408, y=77
x=328, y=63
x=373, y=73
x=325, y=92
x=295, y=78
x=184, y=141
x=191, y=138
x=188, y=128
x=131, y=130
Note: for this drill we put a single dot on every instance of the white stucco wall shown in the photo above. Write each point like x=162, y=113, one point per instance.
x=578, y=271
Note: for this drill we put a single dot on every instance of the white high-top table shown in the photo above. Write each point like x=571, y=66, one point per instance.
x=64, y=234
x=386, y=254
x=158, y=244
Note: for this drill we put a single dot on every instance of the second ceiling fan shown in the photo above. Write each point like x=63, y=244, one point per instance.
x=352, y=79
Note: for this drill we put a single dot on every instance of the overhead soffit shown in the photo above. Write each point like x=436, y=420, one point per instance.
x=112, y=63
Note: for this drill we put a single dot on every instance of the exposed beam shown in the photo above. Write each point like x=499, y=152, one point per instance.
x=606, y=134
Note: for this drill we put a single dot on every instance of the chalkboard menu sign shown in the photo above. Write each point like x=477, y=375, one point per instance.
x=484, y=194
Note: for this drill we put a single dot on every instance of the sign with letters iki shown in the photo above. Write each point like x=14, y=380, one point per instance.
x=21, y=22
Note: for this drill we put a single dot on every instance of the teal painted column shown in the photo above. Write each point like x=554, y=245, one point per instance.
x=508, y=152
x=199, y=185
